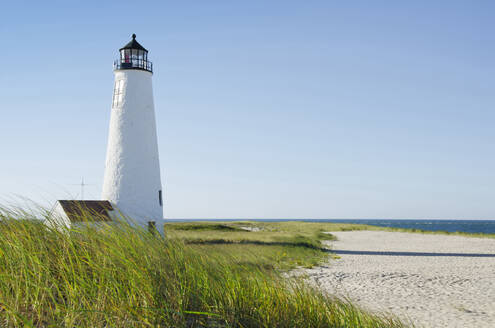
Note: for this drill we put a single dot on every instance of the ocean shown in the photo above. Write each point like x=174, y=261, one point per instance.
x=470, y=226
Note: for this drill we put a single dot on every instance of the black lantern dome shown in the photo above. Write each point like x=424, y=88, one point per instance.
x=133, y=56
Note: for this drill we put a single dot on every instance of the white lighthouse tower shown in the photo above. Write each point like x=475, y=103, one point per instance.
x=132, y=170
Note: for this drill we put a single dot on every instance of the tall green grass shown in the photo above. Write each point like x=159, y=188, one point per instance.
x=121, y=276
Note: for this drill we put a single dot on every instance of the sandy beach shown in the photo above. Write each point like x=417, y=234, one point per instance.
x=431, y=280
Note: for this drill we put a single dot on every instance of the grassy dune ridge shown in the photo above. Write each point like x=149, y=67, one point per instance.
x=270, y=245
x=274, y=245
x=121, y=276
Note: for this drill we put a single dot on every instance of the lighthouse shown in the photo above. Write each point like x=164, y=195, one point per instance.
x=132, y=181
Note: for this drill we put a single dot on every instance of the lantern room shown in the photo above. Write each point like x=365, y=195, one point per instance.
x=133, y=56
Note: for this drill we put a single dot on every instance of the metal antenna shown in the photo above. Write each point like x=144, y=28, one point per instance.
x=82, y=184
x=82, y=188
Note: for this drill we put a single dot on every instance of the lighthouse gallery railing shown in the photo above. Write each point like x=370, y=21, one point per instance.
x=133, y=63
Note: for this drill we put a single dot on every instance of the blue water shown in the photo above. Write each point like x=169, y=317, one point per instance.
x=471, y=226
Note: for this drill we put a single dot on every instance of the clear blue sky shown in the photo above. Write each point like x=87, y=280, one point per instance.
x=268, y=109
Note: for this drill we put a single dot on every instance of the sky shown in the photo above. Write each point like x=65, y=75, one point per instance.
x=265, y=109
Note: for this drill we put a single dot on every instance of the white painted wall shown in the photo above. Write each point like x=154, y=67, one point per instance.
x=57, y=217
x=132, y=169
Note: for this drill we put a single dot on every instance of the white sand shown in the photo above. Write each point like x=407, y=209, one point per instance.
x=443, y=289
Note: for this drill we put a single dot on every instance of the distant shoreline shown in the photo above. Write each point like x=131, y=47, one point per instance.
x=486, y=227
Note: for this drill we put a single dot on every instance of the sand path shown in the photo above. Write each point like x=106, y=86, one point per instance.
x=433, y=280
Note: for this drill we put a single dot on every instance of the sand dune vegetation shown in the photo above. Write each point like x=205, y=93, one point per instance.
x=122, y=276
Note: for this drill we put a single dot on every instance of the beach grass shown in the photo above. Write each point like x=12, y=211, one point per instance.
x=117, y=275
x=278, y=246
x=271, y=245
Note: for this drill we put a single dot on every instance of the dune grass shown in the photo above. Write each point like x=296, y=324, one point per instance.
x=121, y=276
x=269, y=245
x=273, y=245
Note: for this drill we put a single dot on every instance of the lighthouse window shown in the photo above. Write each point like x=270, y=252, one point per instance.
x=118, y=93
x=160, y=198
